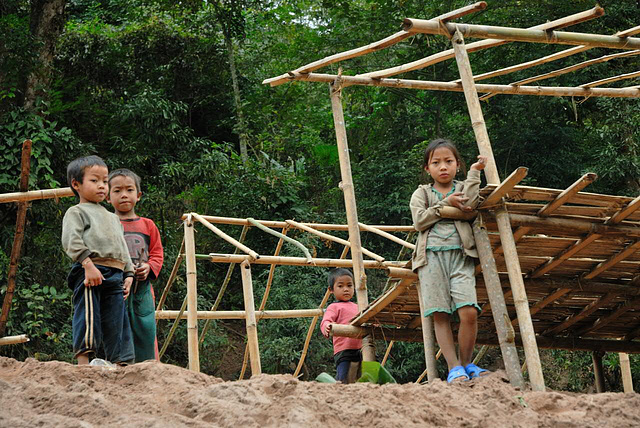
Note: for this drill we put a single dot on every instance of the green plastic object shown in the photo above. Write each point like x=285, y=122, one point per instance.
x=373, y=372
x=325, y=378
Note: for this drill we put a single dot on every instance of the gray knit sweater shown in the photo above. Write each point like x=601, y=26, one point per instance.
x=89, y=230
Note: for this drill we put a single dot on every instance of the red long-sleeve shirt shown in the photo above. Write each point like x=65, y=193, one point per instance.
x=341, y=313
x=143, y=240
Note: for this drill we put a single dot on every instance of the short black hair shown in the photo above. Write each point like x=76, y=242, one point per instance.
x=124, y=172
x=75, y=169
x=337, y=273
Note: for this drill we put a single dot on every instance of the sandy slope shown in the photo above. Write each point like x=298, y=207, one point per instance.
x=56, y=394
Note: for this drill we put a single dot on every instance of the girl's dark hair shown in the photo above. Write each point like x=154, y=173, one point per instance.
x=447, y=144
x=75, y=169
x=337, y=273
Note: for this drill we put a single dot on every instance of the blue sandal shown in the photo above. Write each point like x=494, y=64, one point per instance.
x=474, y=371
x=458, y=373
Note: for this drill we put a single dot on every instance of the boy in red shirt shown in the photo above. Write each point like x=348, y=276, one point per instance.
x=145, y=249
x=346, y=350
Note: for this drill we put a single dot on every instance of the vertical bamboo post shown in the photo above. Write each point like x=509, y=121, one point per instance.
x=18, y=238
x=502, y=216
x=504, y=329
x=428, y=340
x=192, y=295
x=250, y=309
x=625, y=368
x=360, y=278
x=598, y=372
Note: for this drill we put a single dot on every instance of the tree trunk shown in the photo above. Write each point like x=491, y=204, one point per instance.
x=46, y=23
x=241, y=126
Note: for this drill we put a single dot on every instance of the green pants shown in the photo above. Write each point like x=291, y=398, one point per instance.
x=142, y=315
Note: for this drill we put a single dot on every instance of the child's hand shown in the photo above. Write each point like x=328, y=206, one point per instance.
x=126, y=286
x=458, y=199
x=92, y=276
x=142, y=271
x=482, y=162
x=327, y=330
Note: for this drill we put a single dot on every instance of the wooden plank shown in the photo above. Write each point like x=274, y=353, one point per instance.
x=505, y=187
x=382, y=302
x=615, y=259
x=588, y=310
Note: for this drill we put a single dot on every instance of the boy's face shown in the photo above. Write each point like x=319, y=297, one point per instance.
x=94, y=186
x=123, y=194
x=343, y=288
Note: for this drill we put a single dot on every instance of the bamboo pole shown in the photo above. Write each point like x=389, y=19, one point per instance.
x=502, y=216
x=625, y=307
x=314, y=321
x=571, y=226
x=373, y=47
x=585, y=312
x=267, y=289
x=598, y=371
x=505, y=187
x=359, y=276
x=226, y=237
x=12, y=340
x=333, y=238
x=172, y=277
x=36, y=194
x=488, y=88
x=521, y=34
x=428, y=340
x=239, y=315
x=160, y=314
x=281, y=236
x=625, y=369
x=224, y=285
x=617, y=78
x=504, y=329
x=485, y=44
x=252, y=328
x=300, y=261
x=387, y=235
x=613, y=260
x=192, y=295
x=387, y=353
x=18, y=238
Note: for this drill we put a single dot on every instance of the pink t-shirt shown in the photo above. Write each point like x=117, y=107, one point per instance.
x=341, y=313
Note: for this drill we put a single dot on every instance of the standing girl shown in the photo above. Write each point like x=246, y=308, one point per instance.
x=443, y=252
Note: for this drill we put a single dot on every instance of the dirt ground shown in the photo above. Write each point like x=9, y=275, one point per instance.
x=56, y=394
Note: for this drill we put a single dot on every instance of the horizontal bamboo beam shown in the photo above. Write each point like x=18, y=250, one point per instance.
x=36, y=194
x=613, y=260
x=299, y=261
x=571, y=226
x=585, y=312
x=235, y=315
x=12, y=340
x=612, y=79
x=521, y=34
x=226, y=237
x=484, y=44
x=505, y=187
x=281, y=224
x=572, y=344
x=334, y=239
x=567, y=194
x=454, y=87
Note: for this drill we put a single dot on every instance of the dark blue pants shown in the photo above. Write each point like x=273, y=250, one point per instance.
x=343, y=360
x=98, y=313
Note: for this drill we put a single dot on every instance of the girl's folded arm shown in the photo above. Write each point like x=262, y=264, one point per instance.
x=472, y=188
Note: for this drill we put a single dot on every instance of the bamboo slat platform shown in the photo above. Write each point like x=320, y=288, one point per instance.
x=589, y=300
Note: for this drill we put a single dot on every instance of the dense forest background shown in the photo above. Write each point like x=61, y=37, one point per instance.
x=172, y=90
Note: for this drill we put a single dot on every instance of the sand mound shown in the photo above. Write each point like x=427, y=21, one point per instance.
x=56, y=394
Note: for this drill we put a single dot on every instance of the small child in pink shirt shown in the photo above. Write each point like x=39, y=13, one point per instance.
x=345, y=349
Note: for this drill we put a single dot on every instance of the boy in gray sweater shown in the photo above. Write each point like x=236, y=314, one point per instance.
x=102, y=272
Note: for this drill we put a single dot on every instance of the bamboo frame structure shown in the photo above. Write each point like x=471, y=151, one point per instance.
x=13, y=340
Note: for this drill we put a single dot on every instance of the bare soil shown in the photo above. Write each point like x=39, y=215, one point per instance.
x=57, y=394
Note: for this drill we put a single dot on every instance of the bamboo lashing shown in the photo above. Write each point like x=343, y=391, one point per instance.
x=267, y=289
x=32, y=195
x=483, y=44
